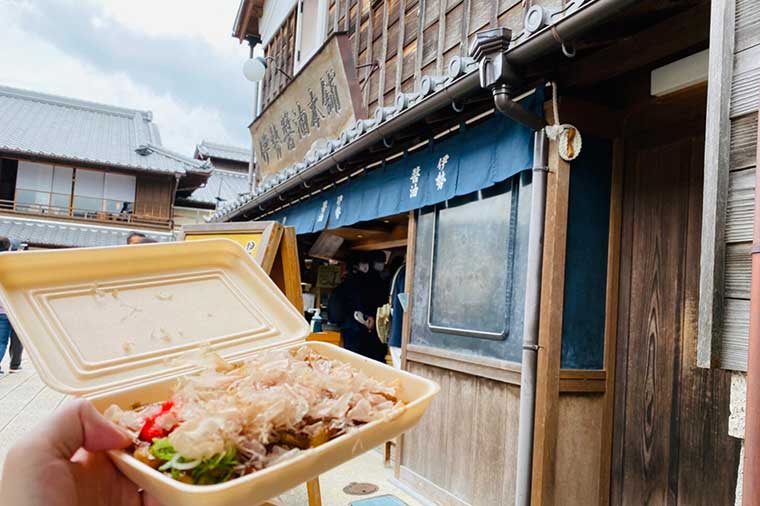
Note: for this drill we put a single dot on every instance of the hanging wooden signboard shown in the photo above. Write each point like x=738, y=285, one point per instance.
x=323, y=99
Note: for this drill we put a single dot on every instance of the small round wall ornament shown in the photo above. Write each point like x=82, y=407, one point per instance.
x=568, y=138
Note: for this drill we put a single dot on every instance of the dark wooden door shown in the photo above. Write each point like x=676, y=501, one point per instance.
x=671, y=445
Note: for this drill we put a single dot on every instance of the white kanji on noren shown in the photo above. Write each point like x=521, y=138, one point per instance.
x=415, y=179
x=322, y=212
x=338, y=210
x=440, y=179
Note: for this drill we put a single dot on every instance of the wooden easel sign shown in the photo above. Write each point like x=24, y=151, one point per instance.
x=273, y=246
x=261, y=239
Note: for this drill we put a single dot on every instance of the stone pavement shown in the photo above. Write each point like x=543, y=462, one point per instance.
x=24, y=400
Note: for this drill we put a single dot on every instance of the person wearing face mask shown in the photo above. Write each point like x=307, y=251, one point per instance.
x=353, y=306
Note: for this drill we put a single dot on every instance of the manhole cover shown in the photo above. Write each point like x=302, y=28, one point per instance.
x=360, y=488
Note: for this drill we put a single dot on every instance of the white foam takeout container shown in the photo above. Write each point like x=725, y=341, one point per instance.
x=107, y=323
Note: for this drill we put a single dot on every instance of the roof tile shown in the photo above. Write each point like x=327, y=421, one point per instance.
x=73, y=130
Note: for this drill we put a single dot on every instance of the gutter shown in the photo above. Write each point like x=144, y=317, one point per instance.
x=751, y=490
x=463, y=80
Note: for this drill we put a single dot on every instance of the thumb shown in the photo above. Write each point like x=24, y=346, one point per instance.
x=78, y=425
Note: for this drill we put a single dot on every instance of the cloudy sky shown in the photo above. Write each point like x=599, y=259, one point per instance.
x=173, y=57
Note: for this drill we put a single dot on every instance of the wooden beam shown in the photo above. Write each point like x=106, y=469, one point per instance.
x=582, y=381
x=375, y=246
x=591, y=117
x=314, y=493
x=550, y=328
x=668, y=37
x=715, y=192
x=286, y=270
x=472, y=365
x=406, y=328
x=611, y=319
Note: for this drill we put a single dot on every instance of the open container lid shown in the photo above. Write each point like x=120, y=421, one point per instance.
x=101, y=319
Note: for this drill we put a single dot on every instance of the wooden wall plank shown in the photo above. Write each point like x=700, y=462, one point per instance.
x=432, y=12
x=512, y=15
x=480, y=16
x=743, y=142
x=578, y=447
x=747, y=24
x=453, y=28
x=430, y=44
x=740, y=206
x=153, y=197
x=705, y=448
x=672, y=423
x=735, y=335
x=420, y=40
x=383, y=56
x=722, y=16
x=738, y=270
x=472, y=457
x=648, y=420
x=745, y=89
x=400, y=45
x=621, y=359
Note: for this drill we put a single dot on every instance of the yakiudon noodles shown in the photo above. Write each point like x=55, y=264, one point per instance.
x=231, y=420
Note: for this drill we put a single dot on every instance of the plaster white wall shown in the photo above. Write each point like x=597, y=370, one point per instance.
x=736, y=422
x=275, y=12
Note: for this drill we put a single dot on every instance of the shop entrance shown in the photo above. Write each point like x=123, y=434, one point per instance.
x=329, y=259
x=670, y=442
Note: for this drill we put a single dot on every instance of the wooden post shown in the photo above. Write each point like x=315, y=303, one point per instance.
x=611, y=320
x=286, y=269
x=406, y=329
x=314, y=492
x=550, y=329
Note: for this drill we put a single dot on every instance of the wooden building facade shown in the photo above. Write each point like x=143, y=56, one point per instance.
x=68, y=167
x=645, y=261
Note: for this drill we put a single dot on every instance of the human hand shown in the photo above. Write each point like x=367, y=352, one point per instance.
x=370, y=323
x=63, y=463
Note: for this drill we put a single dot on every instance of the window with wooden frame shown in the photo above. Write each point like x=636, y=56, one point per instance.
x=60, y=190
x=311, y=29
x=469, y=272
x=301, y=34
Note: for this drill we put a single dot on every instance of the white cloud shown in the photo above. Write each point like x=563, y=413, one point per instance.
x=32, y=62
x=211, y=19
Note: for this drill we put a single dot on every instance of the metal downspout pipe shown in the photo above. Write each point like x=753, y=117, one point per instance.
x=751, y=487
x=498, y=75
x=524, y=469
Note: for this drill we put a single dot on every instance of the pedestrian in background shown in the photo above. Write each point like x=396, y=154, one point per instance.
x=16, y=349
x=135, y=238
x=5, y=324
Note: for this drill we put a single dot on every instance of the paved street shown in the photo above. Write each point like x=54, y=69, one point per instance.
x=24, y=399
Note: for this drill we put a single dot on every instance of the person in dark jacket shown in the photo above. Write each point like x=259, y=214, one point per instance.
x=359, y=300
